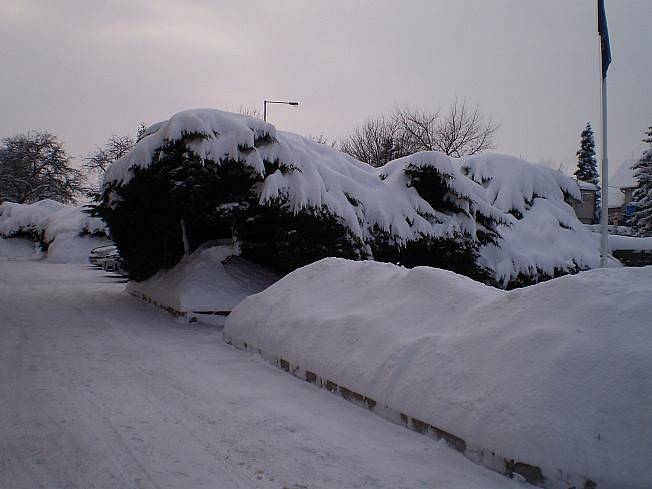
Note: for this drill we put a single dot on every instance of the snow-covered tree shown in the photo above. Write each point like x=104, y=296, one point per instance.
x=642, y=218
x=587, y=165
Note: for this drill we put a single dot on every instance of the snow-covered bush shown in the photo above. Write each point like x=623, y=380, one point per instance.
x=54, y=226
x=287, y=201
x=544, y=238
x=46, y=219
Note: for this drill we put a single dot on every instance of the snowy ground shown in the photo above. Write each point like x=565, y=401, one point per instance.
x=98, y=390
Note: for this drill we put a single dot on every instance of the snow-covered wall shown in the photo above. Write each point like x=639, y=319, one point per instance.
x=541, y=235
x=556, y=375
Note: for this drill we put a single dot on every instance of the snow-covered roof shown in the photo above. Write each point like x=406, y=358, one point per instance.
x=623, y=177
x=586, y=185
x=616, y=197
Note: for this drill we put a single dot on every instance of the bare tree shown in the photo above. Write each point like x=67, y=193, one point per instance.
x=376, y=142
x=321, y=139
x=251, y=112
x=419, y=128
x=35, y=166
x=460, y=131
x=464, y=131
x=115, y=148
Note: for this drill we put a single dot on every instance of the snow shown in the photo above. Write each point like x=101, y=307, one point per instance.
x=221, y=135
x=99, y=390
x=67, y=248
x=612, y=229
x=556, y=375
x=616, y=197
x=623, y=177
x=586, y=185
x=545, y=235
x=308, y=175
x=210, y=279
x=67, y=231
x=16, y=248
x=630, y=243
x=313, y=175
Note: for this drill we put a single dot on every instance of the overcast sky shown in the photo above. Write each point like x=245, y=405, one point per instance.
x=87, y=69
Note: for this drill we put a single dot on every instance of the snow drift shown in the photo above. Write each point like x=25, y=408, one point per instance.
x=556, y=375
x=210, y=281
x=631, y=243
x=16, y=248
x=493, y=213
x=65, y=232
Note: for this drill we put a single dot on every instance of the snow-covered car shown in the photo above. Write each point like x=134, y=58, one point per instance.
x=105, y=257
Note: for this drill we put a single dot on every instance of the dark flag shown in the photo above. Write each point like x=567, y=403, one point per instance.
x=604, y=38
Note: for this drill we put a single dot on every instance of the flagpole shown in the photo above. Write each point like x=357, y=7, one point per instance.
x=604, y=215
x=605, y=61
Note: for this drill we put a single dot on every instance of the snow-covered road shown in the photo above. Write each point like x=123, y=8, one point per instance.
x=98, y=390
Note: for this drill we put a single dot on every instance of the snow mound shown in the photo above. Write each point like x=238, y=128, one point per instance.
x=545, y=236
x=556, y=375
x=66, y=231
x=630, y=243
x=211, y=279
x=16, y=248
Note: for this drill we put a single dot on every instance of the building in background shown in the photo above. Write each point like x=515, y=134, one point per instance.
x=621, y=187
x=585, y=209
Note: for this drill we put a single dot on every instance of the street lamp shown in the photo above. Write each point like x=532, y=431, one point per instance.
x=265, y=102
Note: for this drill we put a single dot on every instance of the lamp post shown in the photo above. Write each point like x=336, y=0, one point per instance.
x=265, y=102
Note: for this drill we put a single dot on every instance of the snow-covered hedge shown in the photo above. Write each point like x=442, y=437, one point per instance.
x=555, y=376
x=288, y=201
x=55, y=227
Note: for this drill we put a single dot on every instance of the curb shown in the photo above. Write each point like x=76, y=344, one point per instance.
x=507, y=466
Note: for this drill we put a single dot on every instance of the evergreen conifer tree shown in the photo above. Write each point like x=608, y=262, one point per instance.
x=642, y=218
x=587, y=166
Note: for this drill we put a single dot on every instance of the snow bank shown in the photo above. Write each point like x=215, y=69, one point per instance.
x=67, y=232
x=545, y=236
x=630, y=243
x=540, y=231
x=556, y=375
x=16, y=248
x=211, y=279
